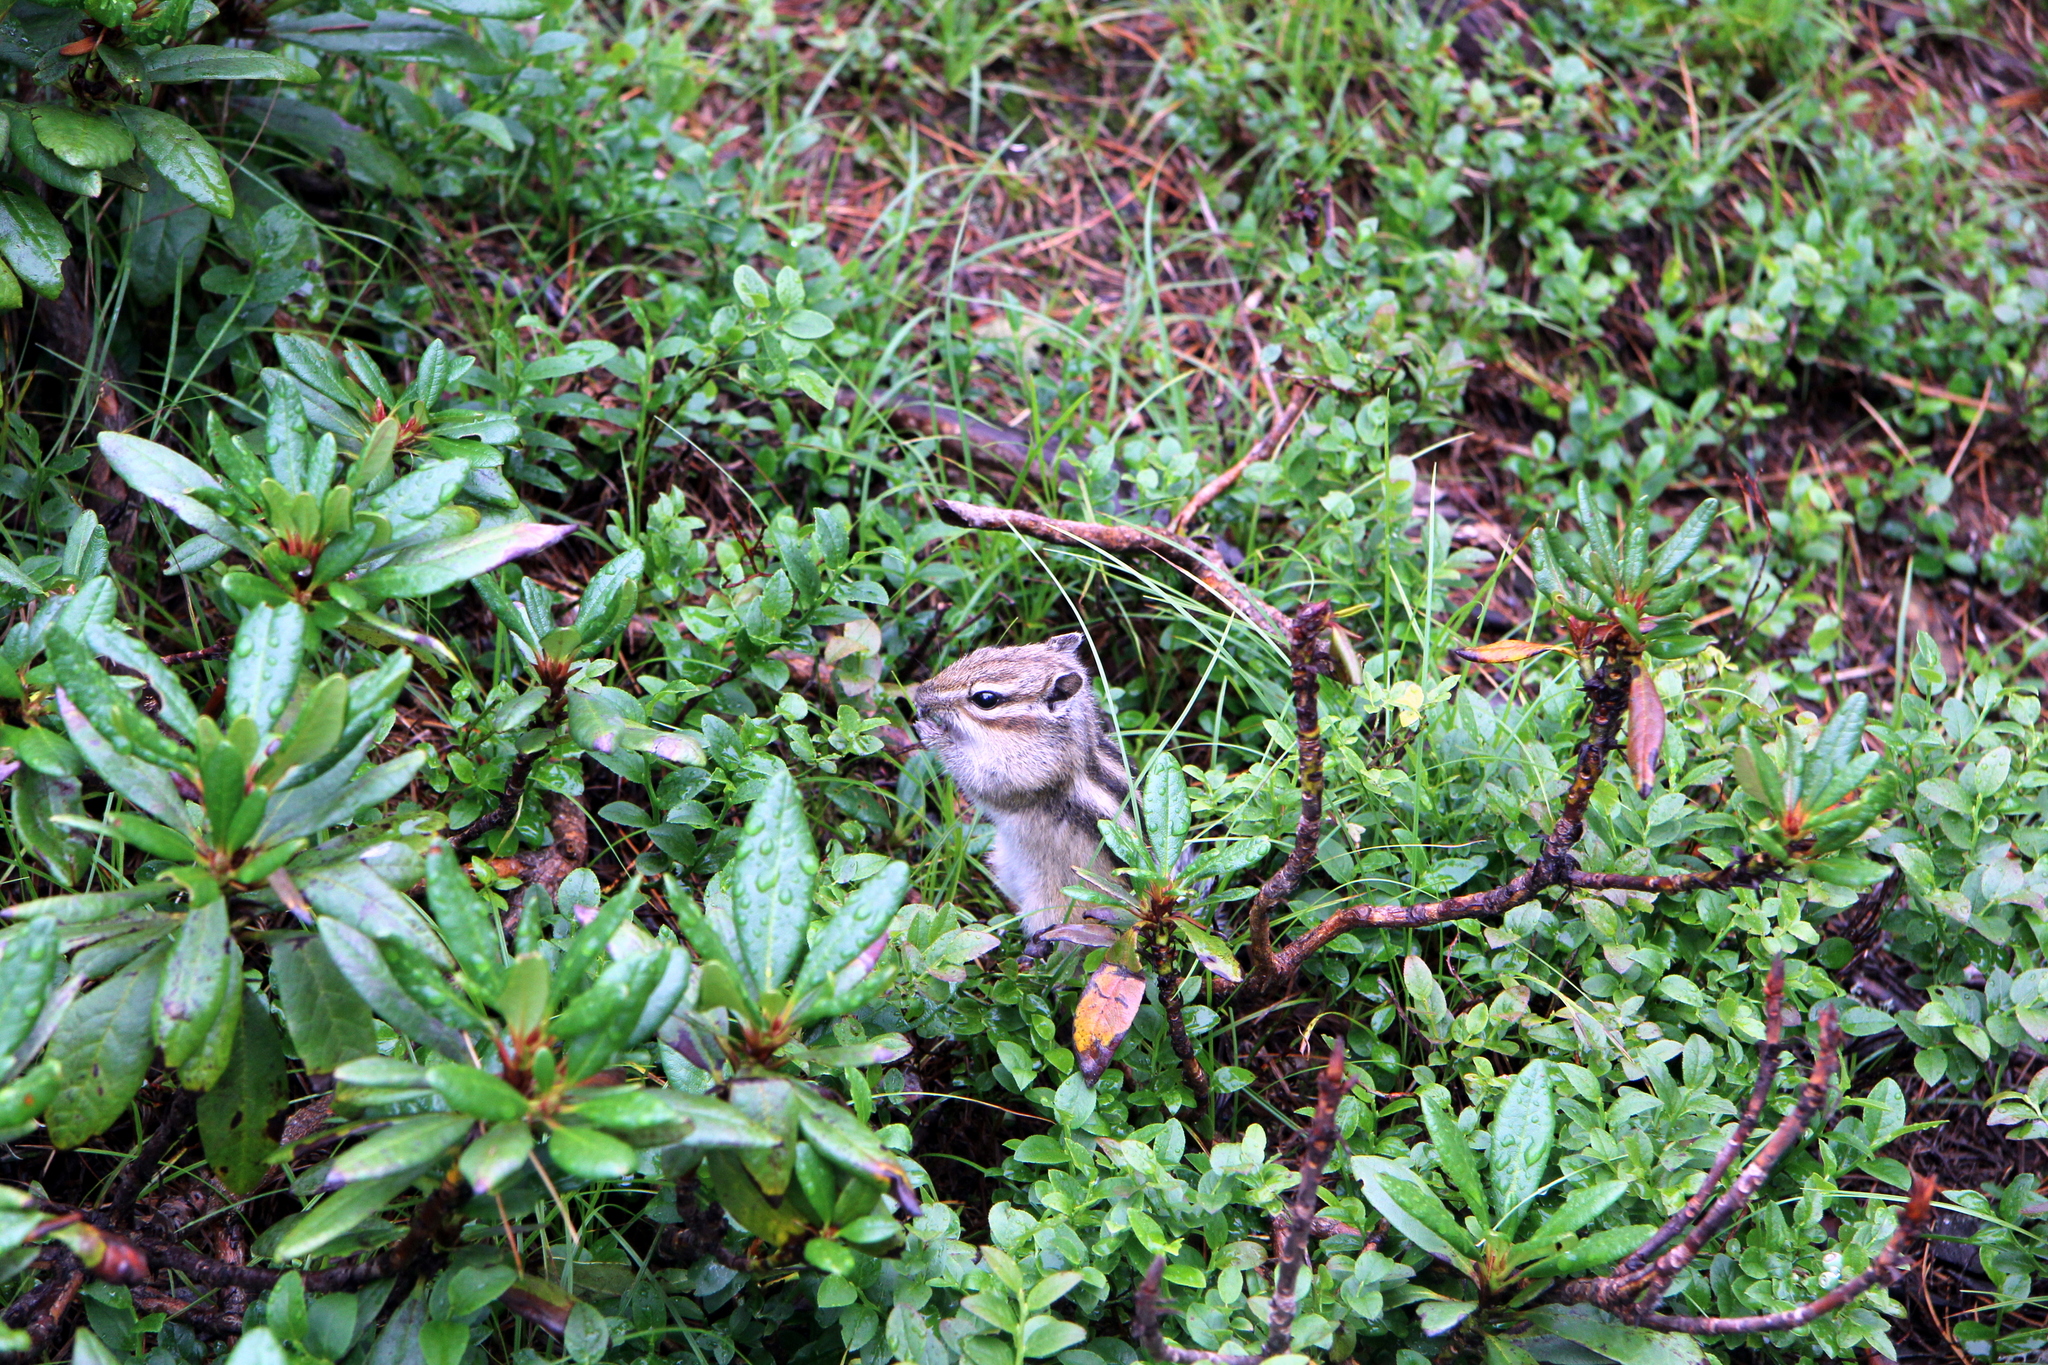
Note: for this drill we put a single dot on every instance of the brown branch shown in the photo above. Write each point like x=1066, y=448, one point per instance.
x=41, y=1311
x=1766, y=1075
x=429, y=1225
x=1607, y=693
x=1126, y=542
x=507, y=809
x=1639, y=1289
x=1308, y=652
x=219, y=649
x=206, y=1322
x=1177, y=1035
x=1266, y=447
x=1292, y=1231
x=128, y=1185
x=1912, y=1223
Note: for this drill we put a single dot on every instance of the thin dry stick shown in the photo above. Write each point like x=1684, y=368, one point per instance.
x=1291, y=1234
x=1123, y=541
x=1265, y=448
x=1912, y=1223
x=1766, y=1076
x=1308, y=652
x=1969, y=434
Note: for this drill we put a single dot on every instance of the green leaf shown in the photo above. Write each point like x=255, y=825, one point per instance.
x=28, y=969
x=264, y=665
x=1165, y=805
x=1629, y=1345
x=1413, y=1208
x=90, y=142
x=1840, y=742
x=204, y=62
x=1047, y=1336
x=771, y=876
x=806, y=325
x=104, y=1045
x=1580, y=1207
x=496, y=1155
x=477, y=1093
x=33, y=157
x=10, y=291
x=390, y=33
x=1454, y=1150
x=1520, y=1152
x=337, y=1215
x=184, y=156
x=166, y=237
x=323, y=132
x=1679, y=546
x=864, y=917
x=590, y=1155
x=195, y=982
x=467, y=926
x=234, y=1117
x=167, y=477
x=33, y=243
x=405, y=1148
x=1211, y=951
x=441, y=564
x=329, y=1022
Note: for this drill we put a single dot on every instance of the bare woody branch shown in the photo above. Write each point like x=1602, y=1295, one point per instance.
x=1308, y=653
x=1266, y=448
x=1125, y=542
x=1555, y=866
x=1912, y=1223
x=1766, y=1077
x=1292, y=1231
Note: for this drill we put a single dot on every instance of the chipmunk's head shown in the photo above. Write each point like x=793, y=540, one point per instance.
x=1012, y=725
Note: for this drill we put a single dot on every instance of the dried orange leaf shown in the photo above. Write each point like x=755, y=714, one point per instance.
x=1645, y=729
x=1505, y=651
x=1108, y=1006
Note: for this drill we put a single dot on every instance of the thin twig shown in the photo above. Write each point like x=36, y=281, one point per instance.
x=1123, y=541
x=1292, y=1231
x=1308, y=652
x=1265, y=448
x=1912, y=1223
x=128, y=1185
x=507, y=809
x=1766, y=1076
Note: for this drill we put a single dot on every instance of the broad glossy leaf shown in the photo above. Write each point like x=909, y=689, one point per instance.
x=33, y=243
x=356, y=956
x=849, y=1144
x=389, y=33
x=195, y=982
x=167, y=477
x=354, y=894
x=1108, y=1008
x=1591, y=1328
x=1454, y=1150
x=472, y=932
x=1580, y=1207
x=1164, y=800
x=1211, y=951
x=590, y=1155
x=182, y=154
x=323, y=132
x=405, y=1148
x=104, y=1045
x=477, y=1093
x=1412, y=1207
x=234, y=1117
x=263, y=667
x=442, y=564
x=204, y=62
x=28, y=969
x=337, y=1215
x=770, y=877
x=496, y=1156
x=90, y=142
x=1522, y=1133
x=329, y=1021
x=865, y=916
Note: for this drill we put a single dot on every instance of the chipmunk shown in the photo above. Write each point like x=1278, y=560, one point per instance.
x=1025, y=740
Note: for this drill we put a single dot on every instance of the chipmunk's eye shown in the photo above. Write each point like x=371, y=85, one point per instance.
x=985, y=700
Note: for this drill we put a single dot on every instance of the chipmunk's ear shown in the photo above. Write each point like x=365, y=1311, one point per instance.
x=1070, y=643
x=1064, y=686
